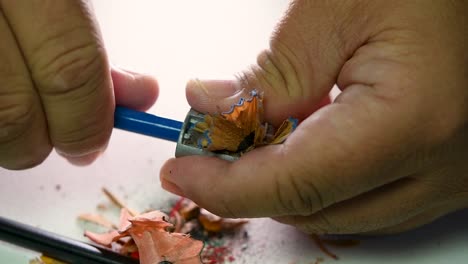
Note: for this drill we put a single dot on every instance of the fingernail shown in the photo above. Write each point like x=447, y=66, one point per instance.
x=84, y=160
x=119, y=73
x=214, y=88
x=126, y=70
x=171, y=187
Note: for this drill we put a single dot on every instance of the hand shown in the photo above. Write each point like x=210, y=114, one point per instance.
x=56, y=86
x=389, y=154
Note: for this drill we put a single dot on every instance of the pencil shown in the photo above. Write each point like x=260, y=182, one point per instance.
x=56, y=246
x=146, y=124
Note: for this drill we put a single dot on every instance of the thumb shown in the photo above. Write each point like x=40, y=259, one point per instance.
x=305, y=55
x=134, y=90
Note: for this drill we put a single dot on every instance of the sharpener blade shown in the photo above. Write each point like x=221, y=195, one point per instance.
x=187, y=144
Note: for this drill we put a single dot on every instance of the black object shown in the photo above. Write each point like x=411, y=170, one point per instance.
x=58, y=247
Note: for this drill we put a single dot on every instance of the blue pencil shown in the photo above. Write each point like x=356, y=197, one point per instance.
x=147, y=124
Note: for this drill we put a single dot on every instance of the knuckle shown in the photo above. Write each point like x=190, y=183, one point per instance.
x=71, y=69
x=280, y=69
x=296, y=195
x=320, y=224
x=71, y=73
x=17, y=112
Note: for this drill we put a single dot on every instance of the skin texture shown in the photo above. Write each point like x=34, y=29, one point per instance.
x=56, y=85
x=387, y=155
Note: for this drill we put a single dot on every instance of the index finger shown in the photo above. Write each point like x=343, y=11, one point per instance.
x=65, y=55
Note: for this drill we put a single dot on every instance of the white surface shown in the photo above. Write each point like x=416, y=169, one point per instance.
x=177, y=40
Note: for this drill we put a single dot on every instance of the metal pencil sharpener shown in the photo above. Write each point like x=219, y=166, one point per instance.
x=187, y=144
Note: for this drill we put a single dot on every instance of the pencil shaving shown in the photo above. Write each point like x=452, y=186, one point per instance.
x=154, y=244
x=242, y=128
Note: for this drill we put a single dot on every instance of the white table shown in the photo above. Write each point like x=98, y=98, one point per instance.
x=177, y=40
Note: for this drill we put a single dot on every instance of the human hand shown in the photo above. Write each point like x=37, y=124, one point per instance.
x=389, y=154
x=56, y=84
